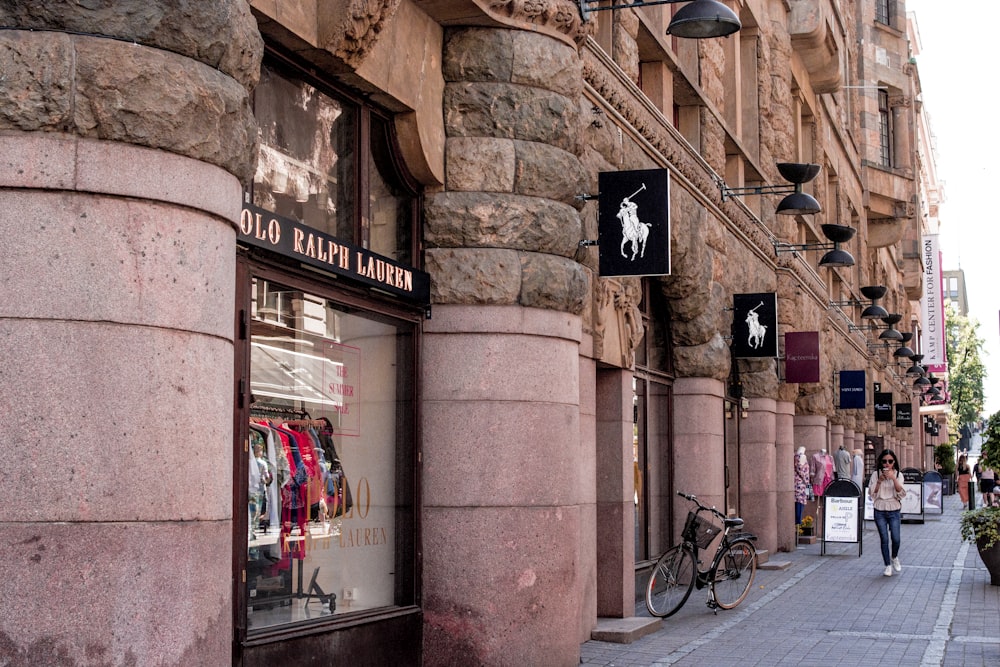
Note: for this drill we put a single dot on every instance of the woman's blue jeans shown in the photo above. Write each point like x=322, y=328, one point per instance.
x=888, y=526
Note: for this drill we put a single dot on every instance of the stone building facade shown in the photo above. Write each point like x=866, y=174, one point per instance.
x=180, y=178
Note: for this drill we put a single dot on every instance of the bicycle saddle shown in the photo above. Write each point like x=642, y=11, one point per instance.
x=734, y=522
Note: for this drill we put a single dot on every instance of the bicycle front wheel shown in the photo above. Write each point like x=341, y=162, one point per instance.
x=670, y=582
x=734, y=573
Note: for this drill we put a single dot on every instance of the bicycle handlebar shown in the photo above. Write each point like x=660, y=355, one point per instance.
x=694, y=499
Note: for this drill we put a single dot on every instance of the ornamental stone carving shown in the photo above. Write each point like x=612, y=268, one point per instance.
x=350, y=29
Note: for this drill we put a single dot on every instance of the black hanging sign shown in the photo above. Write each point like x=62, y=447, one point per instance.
x=904, y=414
x=261, y=228
x=633, y=222
x=883, y=406
x=755, y=325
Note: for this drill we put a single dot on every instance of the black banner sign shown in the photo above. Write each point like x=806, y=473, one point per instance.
x=904, y=414
x=264, y=229
x=883, y=406
x=755, y=325
x=633, y=222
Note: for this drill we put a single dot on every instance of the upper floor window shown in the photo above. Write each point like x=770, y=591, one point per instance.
x=330, y=162
x=884, y=129
x=883, y=11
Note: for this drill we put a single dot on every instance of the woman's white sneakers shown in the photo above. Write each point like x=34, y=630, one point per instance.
x=888, y=571
x=896, y=566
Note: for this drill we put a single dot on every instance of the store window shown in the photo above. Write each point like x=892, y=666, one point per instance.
x=329, y=162
x=326, y=510
x=651, y=443
x=329, y=503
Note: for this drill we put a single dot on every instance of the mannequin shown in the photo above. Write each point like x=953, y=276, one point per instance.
x=817, y=471
x=842, y=461
x=801, y=483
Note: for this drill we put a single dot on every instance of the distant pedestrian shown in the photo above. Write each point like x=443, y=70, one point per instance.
x=964, y=475
x=987, y=482
x=887, y=492
x=801, y=483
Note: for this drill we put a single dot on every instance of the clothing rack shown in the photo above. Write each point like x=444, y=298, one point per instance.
x=282, y=411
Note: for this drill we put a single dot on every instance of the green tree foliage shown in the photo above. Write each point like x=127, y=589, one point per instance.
x=966, y=371
x=990, y=457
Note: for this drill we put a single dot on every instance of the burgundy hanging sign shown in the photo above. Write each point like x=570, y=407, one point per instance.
x=802, y=356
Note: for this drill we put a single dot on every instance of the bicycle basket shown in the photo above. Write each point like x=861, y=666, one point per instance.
x=699, y=530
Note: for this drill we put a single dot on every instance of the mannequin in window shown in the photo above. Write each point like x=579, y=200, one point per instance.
x=817, y=471
x=842, y=462
x=801, y=483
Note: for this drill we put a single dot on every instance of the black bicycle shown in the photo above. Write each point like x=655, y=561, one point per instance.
x=728, y=577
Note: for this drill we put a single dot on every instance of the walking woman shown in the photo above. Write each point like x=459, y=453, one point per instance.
x=964, y=475
x=886, y=491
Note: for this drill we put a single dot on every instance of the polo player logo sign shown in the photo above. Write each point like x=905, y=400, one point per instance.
x=633, y=230
x=755, y=325
x=634, y=223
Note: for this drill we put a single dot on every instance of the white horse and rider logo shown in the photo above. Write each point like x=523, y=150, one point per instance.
x=757, y=330
x=633, y=229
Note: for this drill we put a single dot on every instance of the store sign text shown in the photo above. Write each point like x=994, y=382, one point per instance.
x=264, y=229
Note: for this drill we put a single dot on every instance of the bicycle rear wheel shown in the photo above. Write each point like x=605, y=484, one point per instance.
x=734, y=574
x=670, y=582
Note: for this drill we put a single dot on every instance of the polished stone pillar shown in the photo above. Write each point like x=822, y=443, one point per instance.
x=699, y=452
x=124, y=147
x=758, y=490
x=784, y=465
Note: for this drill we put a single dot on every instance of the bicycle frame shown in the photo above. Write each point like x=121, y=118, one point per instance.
x=732, y=565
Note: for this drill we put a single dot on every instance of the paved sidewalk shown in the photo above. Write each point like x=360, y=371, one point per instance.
x=839, y=609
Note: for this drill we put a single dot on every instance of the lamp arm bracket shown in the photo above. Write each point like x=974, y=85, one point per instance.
x=756, y=190
x=587, y=6
x=798, y=247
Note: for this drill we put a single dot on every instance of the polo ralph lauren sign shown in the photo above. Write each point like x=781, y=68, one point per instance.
x=883, y=406
x=633, y=222
x=261, y=228
x=755, y=325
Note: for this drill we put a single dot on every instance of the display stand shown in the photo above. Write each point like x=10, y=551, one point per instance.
x=933, y=490
x=912, y=510
x=842, y=514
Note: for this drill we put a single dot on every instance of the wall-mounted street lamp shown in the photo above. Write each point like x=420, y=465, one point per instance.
x=904, y=351
x=890, y=332
x=699, y=19
x=916, y=368
x=835, y=256
x=872, y=311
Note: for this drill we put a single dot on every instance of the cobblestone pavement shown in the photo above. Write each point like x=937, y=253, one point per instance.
x=839, y=609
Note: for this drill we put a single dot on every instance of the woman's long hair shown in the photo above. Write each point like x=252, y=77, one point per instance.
x=883, y=454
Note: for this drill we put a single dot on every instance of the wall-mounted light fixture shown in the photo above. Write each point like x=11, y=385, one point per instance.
x=872, y=311
x=699, y=19
x=796, y=202
x=904, y=351
x=890, y=332
x=916, y=368
x=835, y=256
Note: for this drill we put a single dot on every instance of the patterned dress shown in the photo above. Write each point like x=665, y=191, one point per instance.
x=801, y=479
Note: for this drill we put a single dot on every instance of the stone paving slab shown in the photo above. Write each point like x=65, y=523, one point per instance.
x=839, y=609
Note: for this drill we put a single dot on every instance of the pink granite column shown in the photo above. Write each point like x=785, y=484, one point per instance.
x=699, y=449
x=615, y=496
x=504, y=481
x=784, y=465
x=758, y=490
x=123, y=145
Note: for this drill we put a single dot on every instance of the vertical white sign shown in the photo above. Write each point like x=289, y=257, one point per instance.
x=932, y=307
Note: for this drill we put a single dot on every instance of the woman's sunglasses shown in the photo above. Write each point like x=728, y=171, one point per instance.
x=888, y=460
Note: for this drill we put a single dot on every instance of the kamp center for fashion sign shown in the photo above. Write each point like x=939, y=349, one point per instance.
x=263, y=229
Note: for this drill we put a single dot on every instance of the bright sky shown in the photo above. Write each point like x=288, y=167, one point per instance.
x=958, y=75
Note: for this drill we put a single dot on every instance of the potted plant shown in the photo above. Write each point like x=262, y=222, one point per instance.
x=982, y=525
x=944, y=458
x=806, y=527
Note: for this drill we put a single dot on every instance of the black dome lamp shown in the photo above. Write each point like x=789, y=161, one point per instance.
x=874, y=311
x=704, y=19
x=699, y=19
x=890, y=333
x=904, y=351
x=837, y=256
x=798, y=202
x=916, y=368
